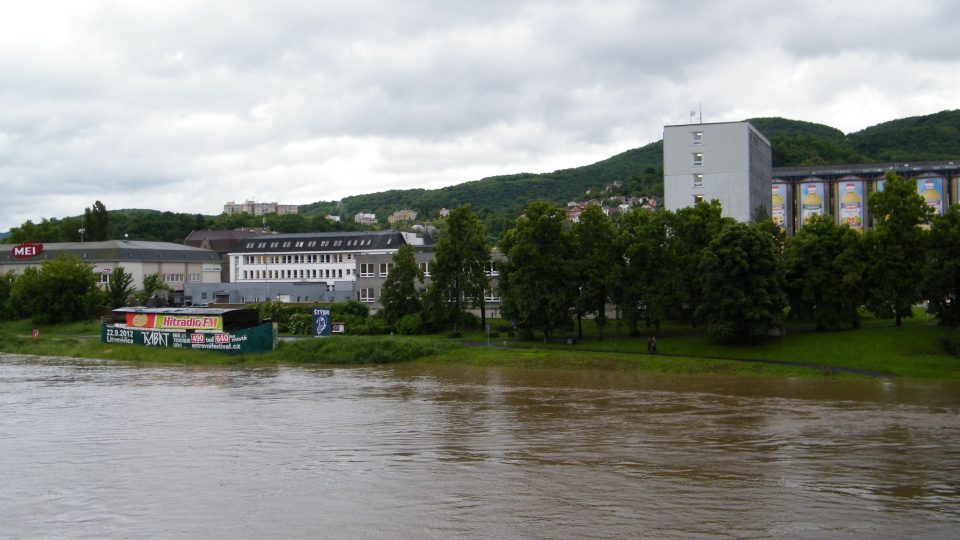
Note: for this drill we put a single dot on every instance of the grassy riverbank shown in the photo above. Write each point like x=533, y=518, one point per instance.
x=913, y=350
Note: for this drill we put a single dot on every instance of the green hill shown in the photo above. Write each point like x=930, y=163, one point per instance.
x=795, y=143
x=918, y=138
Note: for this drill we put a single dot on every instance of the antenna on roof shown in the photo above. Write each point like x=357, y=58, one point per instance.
x=701, y=111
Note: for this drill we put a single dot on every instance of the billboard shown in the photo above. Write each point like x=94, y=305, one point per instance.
x=174, y=322
x=321, y=322
x=780, y=207
x=811, y=200
x=260, y=338
x=931, y=189
x=850, y=207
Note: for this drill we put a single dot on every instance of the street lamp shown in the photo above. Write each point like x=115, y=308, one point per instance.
x=81, y=231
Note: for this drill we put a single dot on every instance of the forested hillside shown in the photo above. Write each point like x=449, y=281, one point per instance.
x=795, y=143
x=499, y=199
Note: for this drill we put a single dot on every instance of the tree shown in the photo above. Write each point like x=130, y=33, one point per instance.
x=96, y=223
x=941, y=272
x=742, y=284
x=691, y=230
x=400, y=295
x=595, y=264
x=895, y=248
x=7, y=282
x=537, y=283
x=119, y=288
x=152, y=286
x=645, y=266
x=824, y=274
x=63, y=289
x=459, y=274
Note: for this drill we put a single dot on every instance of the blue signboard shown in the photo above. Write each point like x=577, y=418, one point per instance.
x=321, y=322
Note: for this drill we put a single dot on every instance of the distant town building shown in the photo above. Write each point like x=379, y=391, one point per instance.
x=444, y=212
x=365, y=219
x=402, y=215
x=259, y=209
x=329, y=217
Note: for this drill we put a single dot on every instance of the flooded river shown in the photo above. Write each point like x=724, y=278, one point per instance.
x=93, y=449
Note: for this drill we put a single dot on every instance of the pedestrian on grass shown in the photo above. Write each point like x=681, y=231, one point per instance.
x=653, y=345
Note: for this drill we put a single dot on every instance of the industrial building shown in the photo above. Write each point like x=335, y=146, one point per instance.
x=176, y=265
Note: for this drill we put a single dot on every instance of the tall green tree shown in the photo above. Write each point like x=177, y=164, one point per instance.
x=7, y=282
x=825, y=264
x=459, y=268
x=537, y=282
x=400, y=294
x=595, y=265
x=645, y=267
x=895, y=248
x=691, y=230
x=152, y=285
x=941, y=273
x=96, y=223
x=742, y=284
x=119, y=288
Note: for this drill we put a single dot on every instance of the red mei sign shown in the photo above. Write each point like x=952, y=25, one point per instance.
x=27, y=250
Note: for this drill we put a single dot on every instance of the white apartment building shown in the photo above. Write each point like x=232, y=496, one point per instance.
x=260, y=209
x=729, y=161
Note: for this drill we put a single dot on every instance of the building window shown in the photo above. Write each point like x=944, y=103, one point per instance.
x=366, y=269
x=385, y=269
x=697, y=137
x=195, y=277
x=698, y=158
x=698, y=180
x=491, y=296
x=425, y=268
x=104, y=278
x=697, y=199
x=366, y=295
x=491, y=269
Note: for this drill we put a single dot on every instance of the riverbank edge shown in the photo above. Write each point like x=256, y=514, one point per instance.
x=437, y=353
x=908, y=353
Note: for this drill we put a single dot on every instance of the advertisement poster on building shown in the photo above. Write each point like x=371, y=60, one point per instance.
x=931, y=189
x=811, y=200
x=850, y=204
x=321, y=322
x=779, y=205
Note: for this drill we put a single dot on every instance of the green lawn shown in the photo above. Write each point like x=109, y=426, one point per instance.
x=913, y=350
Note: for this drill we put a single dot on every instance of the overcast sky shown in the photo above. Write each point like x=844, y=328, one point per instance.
x=184, y=105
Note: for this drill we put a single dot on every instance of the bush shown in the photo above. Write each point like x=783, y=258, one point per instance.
x=300, y=324
x=354, y=350
x=952, y=344
x=410, y=325
x=455, y=335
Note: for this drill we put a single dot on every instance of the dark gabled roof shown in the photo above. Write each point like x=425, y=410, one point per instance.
x=221, y=240
x=116, y=250
x=336, y=241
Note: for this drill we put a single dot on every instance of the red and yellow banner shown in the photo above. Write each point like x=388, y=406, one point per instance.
x=174, y=322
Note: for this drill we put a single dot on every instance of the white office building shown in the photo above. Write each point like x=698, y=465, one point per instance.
x=729, y=161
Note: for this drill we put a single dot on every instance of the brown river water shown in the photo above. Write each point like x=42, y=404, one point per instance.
x=93, y=449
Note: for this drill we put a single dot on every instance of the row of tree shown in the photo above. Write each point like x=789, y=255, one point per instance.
x=66, y=289
x=734, y=279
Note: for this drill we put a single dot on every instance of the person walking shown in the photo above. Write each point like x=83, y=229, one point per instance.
x=653, y=345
